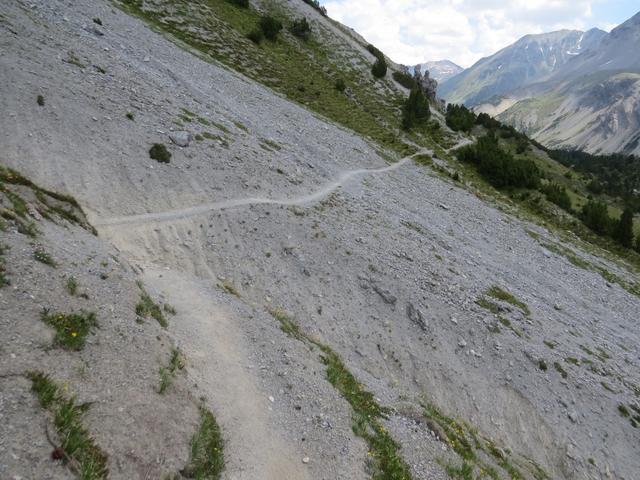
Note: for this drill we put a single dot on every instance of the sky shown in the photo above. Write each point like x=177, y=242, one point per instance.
x=463, y=31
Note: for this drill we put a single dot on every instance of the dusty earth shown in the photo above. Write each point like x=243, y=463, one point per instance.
x=383, y=262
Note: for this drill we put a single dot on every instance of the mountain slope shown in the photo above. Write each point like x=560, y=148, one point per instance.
x=332, y=321
x=441, y=70
x=528, y=60
x=592, y=103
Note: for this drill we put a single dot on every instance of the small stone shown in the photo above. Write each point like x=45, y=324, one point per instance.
x=181, y=138
x=305, y=460
x=573, y=416
x=271, y=399
x=462, y=343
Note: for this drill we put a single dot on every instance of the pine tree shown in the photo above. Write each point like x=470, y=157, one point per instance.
x=415, y=109
x=624, y=228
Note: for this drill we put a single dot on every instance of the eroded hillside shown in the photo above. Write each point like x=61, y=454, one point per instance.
x=342, y=312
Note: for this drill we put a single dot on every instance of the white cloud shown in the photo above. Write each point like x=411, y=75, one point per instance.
x=463, y=31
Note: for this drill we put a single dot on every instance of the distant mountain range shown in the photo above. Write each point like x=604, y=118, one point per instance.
x=441, y=70
x=529, y=60
x=566, y=89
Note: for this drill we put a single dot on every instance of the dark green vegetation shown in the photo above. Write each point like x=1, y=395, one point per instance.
x=480, y=458
x=71, y=329
x=159, y=153
x=527, y=172
x=4, y=281
x=40, y=100
x=79, y=450
x=16, y=191
x=405, y=79
x=270, y=27
x=176, y=362
x=300, y=28
x=385, y=462
x=207, y=458
x=43, y=257
x=500, y=294
x=499, y=167
x=459, y=118
x=146, y=308
x=379, y=68
x=316, y=4
x=415, y=110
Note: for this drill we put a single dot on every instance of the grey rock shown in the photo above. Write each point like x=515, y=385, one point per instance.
x=386, y=295
x=415, y=315
x=181, y=138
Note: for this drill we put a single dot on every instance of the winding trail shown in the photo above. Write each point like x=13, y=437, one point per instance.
x=181, y=213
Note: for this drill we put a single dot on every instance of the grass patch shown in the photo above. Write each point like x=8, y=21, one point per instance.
x=146, y=308
x=4, y=281
x=207, y=449
x=560, y=369
x=71, y=329
x=130, y=116
x=40, y=100
x=43, y=257
x=384, y=458
x=176, y=362
x=500, y=294
x=488, y=305
x=228, y=287
x=81, y=453
x=72, y=286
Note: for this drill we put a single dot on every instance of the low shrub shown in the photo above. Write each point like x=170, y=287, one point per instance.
x=270, y=27
x=160, y=153
x=300, y=28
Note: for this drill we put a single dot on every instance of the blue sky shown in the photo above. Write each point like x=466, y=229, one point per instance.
x=413, y=31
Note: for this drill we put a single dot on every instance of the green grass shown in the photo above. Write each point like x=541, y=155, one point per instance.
x=500, y=294
x=488, y=305
x=43, y=257
x=560, y=369
x=384, y=458
x=72, y=286
x=4, y=281
x=206, y=461
x=71, y=329
x=80, y=450
x=146, y=308
x=176, y=362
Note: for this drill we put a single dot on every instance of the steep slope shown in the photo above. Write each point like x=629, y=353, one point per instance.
x=592, y=103
x=528, y=60
x=330, y=305
x=441, y=70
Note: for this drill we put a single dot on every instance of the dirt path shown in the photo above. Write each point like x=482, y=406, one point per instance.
x=240, y=202
x=218, y=363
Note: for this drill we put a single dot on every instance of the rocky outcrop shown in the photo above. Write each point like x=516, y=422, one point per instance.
x=428, y=85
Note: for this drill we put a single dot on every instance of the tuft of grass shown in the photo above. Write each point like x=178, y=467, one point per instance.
x=97, y=21
x=560, y=369
x=488, y=305
x=159, y=153
x=624, y=411
x=72, y=329
x=542, y=365
x=40, y=100
x=72, y=286
x=169, y=309
x=207, y=449
x=146, y=308
x=500, y=294
x=130, y=116
x=80, y=450
x=228, y=287
x=287, y=325
x=43, y=257
x=176, y=362
x=384, y=458
x=4, y=281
